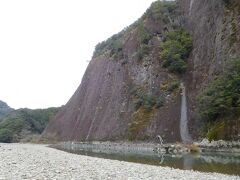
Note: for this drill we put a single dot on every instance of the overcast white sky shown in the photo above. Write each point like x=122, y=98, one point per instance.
x=45, y=45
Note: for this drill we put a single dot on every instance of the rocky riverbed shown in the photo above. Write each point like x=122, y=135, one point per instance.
x=28, y=161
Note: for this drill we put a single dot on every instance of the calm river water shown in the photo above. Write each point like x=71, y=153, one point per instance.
x=206, y=162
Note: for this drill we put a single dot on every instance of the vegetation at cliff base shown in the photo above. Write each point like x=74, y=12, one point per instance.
x=145, y=105
x=216, y=131
x=21, y=123
x=222, y=96
x=139, y=120
x=175, y=51
x=221, y=99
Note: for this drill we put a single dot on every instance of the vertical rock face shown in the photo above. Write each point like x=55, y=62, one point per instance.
x=215, y=27
x=106, y=106
x=102, y=107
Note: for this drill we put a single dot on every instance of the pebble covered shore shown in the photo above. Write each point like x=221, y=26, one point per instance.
x=30, y=161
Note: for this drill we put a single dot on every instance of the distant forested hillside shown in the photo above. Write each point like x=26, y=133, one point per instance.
x=24, y=124
x=4, y=109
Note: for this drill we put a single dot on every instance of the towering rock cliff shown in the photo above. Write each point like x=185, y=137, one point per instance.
x=215, y=28
x=131, y=91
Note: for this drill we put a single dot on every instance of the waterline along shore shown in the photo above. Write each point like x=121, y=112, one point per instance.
x=30, y=161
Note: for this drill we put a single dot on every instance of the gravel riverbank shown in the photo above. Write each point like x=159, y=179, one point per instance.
x=29, y=161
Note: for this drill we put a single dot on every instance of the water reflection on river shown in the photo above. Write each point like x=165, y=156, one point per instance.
x=206, y=162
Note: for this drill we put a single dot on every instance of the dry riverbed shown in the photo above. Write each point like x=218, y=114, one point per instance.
x=28, y=161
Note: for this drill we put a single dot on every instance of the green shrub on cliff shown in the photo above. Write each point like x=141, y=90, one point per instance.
x=143, y=51
x=219, y=104
x=143, y=37
x=161, y=10
x=175, y=51
x=160, y=101
x=227, y=2
x=113, y=45
x=143, y=34
x=222, y=97
x=147, y=101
